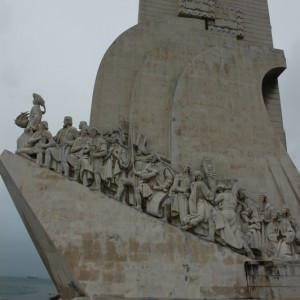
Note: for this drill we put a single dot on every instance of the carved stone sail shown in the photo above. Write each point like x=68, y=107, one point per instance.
x=197, y=79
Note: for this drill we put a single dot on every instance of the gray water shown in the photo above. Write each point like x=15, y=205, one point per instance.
x=13, y=288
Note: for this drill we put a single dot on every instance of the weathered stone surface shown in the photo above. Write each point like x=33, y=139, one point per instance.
x=195, y=93
x=99, y=247
x=273, y=280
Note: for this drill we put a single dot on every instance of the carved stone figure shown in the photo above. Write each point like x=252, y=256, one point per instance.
x=253, y=231
x=280, y=236
x=264, y=215
x=200, y=207
x=156, y=179
x=35, y=115
x=140, y=158
x=85, y=167
x=82, y=124
x=76, y=152
x=118, y=164
x=209, y=170
x=115, y=164
x=226, y=203
x=64, y=141
x=30, y=121
x=244, y=205
x=286, y=214
x=38, y=142
x=98, y=152
x=180, y=192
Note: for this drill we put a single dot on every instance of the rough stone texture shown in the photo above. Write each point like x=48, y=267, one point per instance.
x=196, y=93
x=273, y=280
x=108, y=249
x=257, y=27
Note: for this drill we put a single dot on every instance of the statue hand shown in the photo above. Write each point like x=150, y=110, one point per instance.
x=135, y=172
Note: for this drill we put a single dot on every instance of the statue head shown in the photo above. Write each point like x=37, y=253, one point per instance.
x=68, y=121
x=155, y=157
x=44, y=125
x=94, y=131
x=186, y=168
x=262, y=198
x=198, y=175
x=38, y=100
x=221, y=187
x=275, y=213
x=241, y=194
x=82, y=124
x=84, y=130
x=285, y=210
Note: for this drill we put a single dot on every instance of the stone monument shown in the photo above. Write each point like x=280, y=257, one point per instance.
x=180, y=187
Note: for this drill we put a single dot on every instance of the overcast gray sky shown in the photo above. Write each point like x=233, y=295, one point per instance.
x=54, y=48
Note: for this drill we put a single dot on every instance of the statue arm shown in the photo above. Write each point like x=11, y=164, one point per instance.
x=124, y=159
x=147, y=175
x=102, y=151
x=51, y=142
x=168, y=179
x=208, y=194
x=35, y=138
x=175, y=187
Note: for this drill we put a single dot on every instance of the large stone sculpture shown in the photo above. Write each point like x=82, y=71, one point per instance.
x=30, y=121
x=195, y=81
x=217, y=212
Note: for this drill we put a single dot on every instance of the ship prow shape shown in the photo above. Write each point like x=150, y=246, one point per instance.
x=94, y=246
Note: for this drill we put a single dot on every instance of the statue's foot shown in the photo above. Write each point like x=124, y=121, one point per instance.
x=94, y=188
x=72, y=178
x=185, y=227
x=211, y=239
x=139, y=208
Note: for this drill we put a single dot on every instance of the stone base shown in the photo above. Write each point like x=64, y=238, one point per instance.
x=99, y=248
x=273, y=280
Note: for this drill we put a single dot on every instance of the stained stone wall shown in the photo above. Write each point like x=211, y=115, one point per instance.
x=256, y=20
x=273, y=280
x=256, y=30
x=95, y=246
